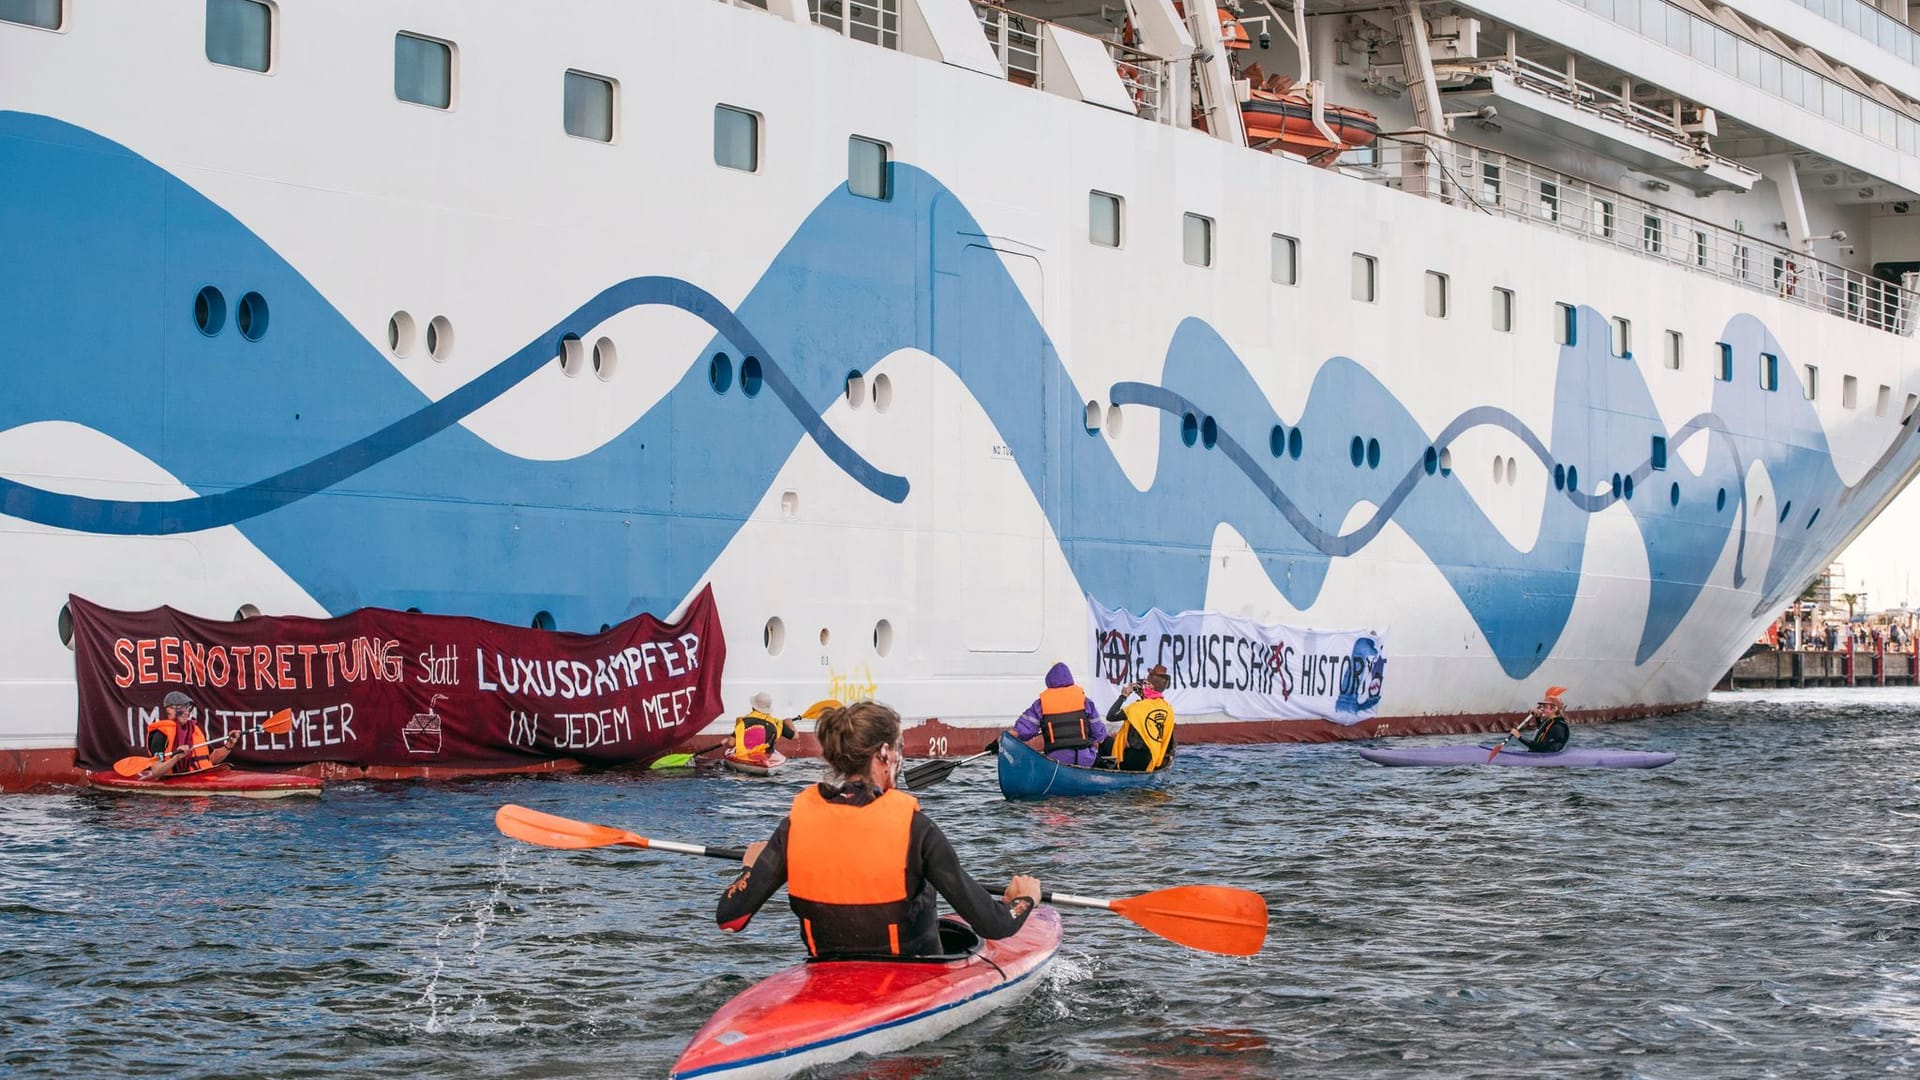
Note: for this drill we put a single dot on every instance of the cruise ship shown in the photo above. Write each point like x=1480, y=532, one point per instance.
x=1552, y=341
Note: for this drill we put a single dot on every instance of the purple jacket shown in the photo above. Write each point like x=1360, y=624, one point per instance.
x=1028, y=726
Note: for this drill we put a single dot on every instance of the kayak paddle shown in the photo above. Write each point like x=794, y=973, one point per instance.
x=1210, y=918
x=928, y=773
x=681, y=761
x=278, y=724
x=1502, y=745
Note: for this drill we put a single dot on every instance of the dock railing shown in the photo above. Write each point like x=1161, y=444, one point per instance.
x=1480, y=180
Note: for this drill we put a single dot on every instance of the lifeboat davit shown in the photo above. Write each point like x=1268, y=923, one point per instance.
x=1284, y=120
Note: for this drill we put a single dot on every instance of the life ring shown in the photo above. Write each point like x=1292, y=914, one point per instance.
x=1789, y=278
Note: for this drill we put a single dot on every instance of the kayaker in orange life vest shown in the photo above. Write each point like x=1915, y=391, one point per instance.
x=178, y=728
x=755, y=733
x=1067, y=722
x=861, y=862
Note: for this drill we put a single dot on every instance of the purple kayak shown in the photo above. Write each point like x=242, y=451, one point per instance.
x=1574, y=757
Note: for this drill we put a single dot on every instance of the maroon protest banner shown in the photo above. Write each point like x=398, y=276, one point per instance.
x=387, y=688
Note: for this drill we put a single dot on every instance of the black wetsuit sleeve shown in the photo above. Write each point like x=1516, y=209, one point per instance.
x=989, y=917
x=756, y=884
x=1117, y=714
x=787, y=730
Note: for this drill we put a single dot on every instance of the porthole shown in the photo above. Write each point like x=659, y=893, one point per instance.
x=720, y=373
x=1091, y=420
x=1446, y=462
x=250, y=318
x=605, y=626
x=1513, y=472
x=543, y=620
x=774, y=637
x=245, y=612
x=1209, y=433
x=440, y=338
x=1815, y=516
x=789, y=504
x=1573, y=478
x=1673, y=495
x=1499, y=469
x=1626, y=488
x=750, y=376
x=1189, y=429
x=1357, y=451
x=883, y=637
x=413, y=611
x=1559, y=477
x=1373, y=453
x=1277, y=441
x=570, y=354
x=882, y=393
x=210, y=311
x=856, y=389
x=606, y=358
x=1294, y=443
x=65, y=625
x=400, y=334
x=1720, y=501
x=1114, y=419
x=1616, y=485
x=1431, y=461
x=1785, y=509
x=825, y=637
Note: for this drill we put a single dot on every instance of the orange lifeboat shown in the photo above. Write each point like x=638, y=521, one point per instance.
x=1278, y=116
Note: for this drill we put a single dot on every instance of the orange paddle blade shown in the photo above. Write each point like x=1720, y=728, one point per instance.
x=133, y=766
x=814, y=710
x=1211, y=918
x=279, y=723
x=549, y=830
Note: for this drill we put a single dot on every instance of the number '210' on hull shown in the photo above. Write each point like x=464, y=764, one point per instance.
x=280, y=342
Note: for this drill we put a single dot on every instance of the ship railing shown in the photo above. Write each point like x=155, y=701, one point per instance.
x=1016, y=41
x=1595, y=100
x=1144, y=76
x=1480, y=180
x=876, y=22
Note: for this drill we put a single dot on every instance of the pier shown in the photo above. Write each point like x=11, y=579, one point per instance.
x=1773, y=668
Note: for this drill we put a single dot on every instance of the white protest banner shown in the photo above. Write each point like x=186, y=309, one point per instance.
x=1244, y=669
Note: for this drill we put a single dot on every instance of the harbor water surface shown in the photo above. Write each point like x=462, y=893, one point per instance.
x=1751, y=910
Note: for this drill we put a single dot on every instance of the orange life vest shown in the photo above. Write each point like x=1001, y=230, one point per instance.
x=180, y=736
x=1063, y=718
x=847, y=872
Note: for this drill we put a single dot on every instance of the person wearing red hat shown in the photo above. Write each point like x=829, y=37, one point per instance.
x=1548, y=724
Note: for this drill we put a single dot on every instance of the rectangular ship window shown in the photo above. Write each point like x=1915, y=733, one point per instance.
x=1658, y=456
x=1699, y=247
x=1286, y=260
x=1724, y=372
x=1503, y=310
x=1883, y=401
x=1769, y=371
x=1622, y=337
x=1652, y=235
x=587, y=106
x=1436, y=294
x=1103, y=219
x=1490, y=183
x=867, y=168
x=1365, y=283
x=1566, y=328
x=1550, y=200
x=45, y=14
x=1849, y=392
x=1196, y=240
x=239, y=34
x=1676, y=346
x=736, y=138
x=1812, y=382
x=1603, y=218
x=423, y=71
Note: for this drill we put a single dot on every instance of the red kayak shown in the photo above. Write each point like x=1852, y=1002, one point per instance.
x=831, y=1010
x=219, y=780
x=759, y=765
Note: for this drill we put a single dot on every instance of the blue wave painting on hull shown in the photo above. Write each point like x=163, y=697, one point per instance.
x=365, y=492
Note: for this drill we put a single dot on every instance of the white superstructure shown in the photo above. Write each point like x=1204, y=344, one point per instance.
x=457, y=306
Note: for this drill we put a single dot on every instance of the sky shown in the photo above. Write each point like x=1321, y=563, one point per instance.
x=1884, y=561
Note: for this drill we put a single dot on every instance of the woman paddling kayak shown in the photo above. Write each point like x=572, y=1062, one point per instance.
x=861, y=862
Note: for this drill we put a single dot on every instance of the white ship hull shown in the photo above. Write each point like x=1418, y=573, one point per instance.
x=936, y=553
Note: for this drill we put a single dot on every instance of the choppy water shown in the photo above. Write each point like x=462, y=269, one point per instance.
x=1752, y=910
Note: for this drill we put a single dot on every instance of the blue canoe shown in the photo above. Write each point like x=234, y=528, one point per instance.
x=1026, y=773
x=1573, y=757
